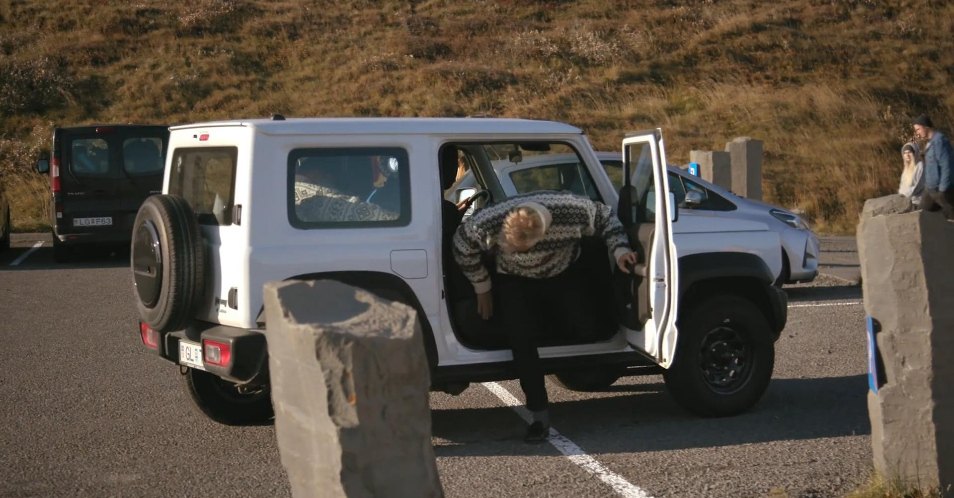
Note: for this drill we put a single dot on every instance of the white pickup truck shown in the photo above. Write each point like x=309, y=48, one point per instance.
x=361, y=200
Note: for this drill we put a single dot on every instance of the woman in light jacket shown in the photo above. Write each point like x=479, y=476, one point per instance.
x=912, y=176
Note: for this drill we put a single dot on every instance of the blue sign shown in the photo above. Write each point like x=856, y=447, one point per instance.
x=694, y=169
x=876, y=377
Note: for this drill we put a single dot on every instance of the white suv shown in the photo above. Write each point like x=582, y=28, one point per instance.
x=362, y=201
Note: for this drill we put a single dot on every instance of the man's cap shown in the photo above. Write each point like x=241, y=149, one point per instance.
x=923, y=120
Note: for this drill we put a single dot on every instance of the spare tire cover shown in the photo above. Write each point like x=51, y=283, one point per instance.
x=168, y=262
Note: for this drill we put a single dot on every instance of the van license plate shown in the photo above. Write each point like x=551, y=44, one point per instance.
x=190, y=354
x=103, y=221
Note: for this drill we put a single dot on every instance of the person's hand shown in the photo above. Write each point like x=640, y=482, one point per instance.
x=626, y=261
x=485, y=305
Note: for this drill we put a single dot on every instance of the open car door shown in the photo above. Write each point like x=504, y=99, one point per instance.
x=647, y=211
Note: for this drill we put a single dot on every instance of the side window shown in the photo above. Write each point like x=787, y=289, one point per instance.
x=348, y=187
x=142, y=155
x=205, y=176
x=677, y=188
x=89, y=157
x=643, y=185
x=571, y=177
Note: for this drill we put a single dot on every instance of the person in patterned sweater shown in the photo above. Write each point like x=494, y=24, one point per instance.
x=535, y=239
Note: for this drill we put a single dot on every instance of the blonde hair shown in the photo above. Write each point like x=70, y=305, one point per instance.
x=522, y=229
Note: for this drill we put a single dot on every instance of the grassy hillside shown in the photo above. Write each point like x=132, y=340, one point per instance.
x=828, y=85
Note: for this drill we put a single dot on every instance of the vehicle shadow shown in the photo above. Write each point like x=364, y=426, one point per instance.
x=107, y=256
x=829, y=293
x=649, y=420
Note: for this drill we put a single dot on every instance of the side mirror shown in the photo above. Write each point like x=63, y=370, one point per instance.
x=694, y=199
x=42, y=166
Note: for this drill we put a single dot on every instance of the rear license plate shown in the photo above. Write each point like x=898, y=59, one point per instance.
x=103, y=221
x=190, y=354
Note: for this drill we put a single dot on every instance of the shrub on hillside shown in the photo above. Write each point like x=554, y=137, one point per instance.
x=34, y=85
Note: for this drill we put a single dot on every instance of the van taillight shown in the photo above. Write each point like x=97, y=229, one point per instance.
x=104, y=129
x=216, y=353
x=55, y=174
x=150, y=337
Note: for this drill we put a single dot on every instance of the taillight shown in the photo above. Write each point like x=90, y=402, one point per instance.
x=150, y=337
x=55, y=174
x=216, y=353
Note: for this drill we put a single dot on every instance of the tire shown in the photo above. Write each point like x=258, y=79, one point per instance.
x=62, y=253
x=724, y=357
x=588, y=380
x=5, y=240
x=227, y=403
x=168, y=262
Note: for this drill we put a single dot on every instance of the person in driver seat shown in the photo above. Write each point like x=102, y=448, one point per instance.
x=535, y=240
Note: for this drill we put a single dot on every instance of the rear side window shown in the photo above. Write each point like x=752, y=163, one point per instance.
x=205, y=176
x=89, y=157
x=348, y=187
x=142, y=156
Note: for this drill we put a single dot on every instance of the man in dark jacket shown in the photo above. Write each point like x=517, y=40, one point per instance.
x=938, y=191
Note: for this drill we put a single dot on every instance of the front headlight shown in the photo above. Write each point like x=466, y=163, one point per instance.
x=790, y=219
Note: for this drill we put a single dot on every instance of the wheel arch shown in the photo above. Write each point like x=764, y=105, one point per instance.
x=385, y=286
x=743, y=274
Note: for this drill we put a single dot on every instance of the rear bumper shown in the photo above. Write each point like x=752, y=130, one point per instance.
x=98, y=237
x=249, y=363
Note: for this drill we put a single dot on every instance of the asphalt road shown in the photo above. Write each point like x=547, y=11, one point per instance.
x=88, y=412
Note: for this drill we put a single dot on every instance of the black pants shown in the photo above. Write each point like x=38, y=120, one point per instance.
x=528, y=308
x=933, y=200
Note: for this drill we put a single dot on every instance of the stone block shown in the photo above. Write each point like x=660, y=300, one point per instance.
x=746, y=157
x=714, y=166
x=907, y=282
x=350, y=386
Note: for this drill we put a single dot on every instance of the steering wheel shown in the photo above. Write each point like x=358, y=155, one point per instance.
x=465, y=204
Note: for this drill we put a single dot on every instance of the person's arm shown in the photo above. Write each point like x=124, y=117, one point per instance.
x=944, y=164
x=467, y=249
x=607, y=226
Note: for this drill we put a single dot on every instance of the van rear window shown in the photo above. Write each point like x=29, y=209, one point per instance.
x=142, y=155
x=89, y=157
x=205, y=176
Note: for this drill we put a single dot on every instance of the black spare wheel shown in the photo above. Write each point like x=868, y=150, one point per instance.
x=168, y=262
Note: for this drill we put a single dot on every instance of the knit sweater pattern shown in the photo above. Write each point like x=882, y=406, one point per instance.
x=573, y=217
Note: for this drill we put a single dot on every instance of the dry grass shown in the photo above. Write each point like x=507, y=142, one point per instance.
x=828, y=85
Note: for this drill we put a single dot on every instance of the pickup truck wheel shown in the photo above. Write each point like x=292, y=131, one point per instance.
x=168, y=261
x=724, y=357
x=587, y=380
x=228, y=403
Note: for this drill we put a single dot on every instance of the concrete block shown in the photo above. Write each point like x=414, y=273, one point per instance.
x=714, y=166
x=907, y=282
x=746, y=156
x=350, y=386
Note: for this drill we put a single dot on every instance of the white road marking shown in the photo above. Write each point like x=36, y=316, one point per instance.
x=26, y=254
x=570, y=449
x=816, y=305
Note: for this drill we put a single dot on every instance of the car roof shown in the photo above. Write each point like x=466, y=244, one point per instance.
x=403, y=126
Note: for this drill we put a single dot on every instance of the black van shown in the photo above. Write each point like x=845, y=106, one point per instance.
x=99, y=176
